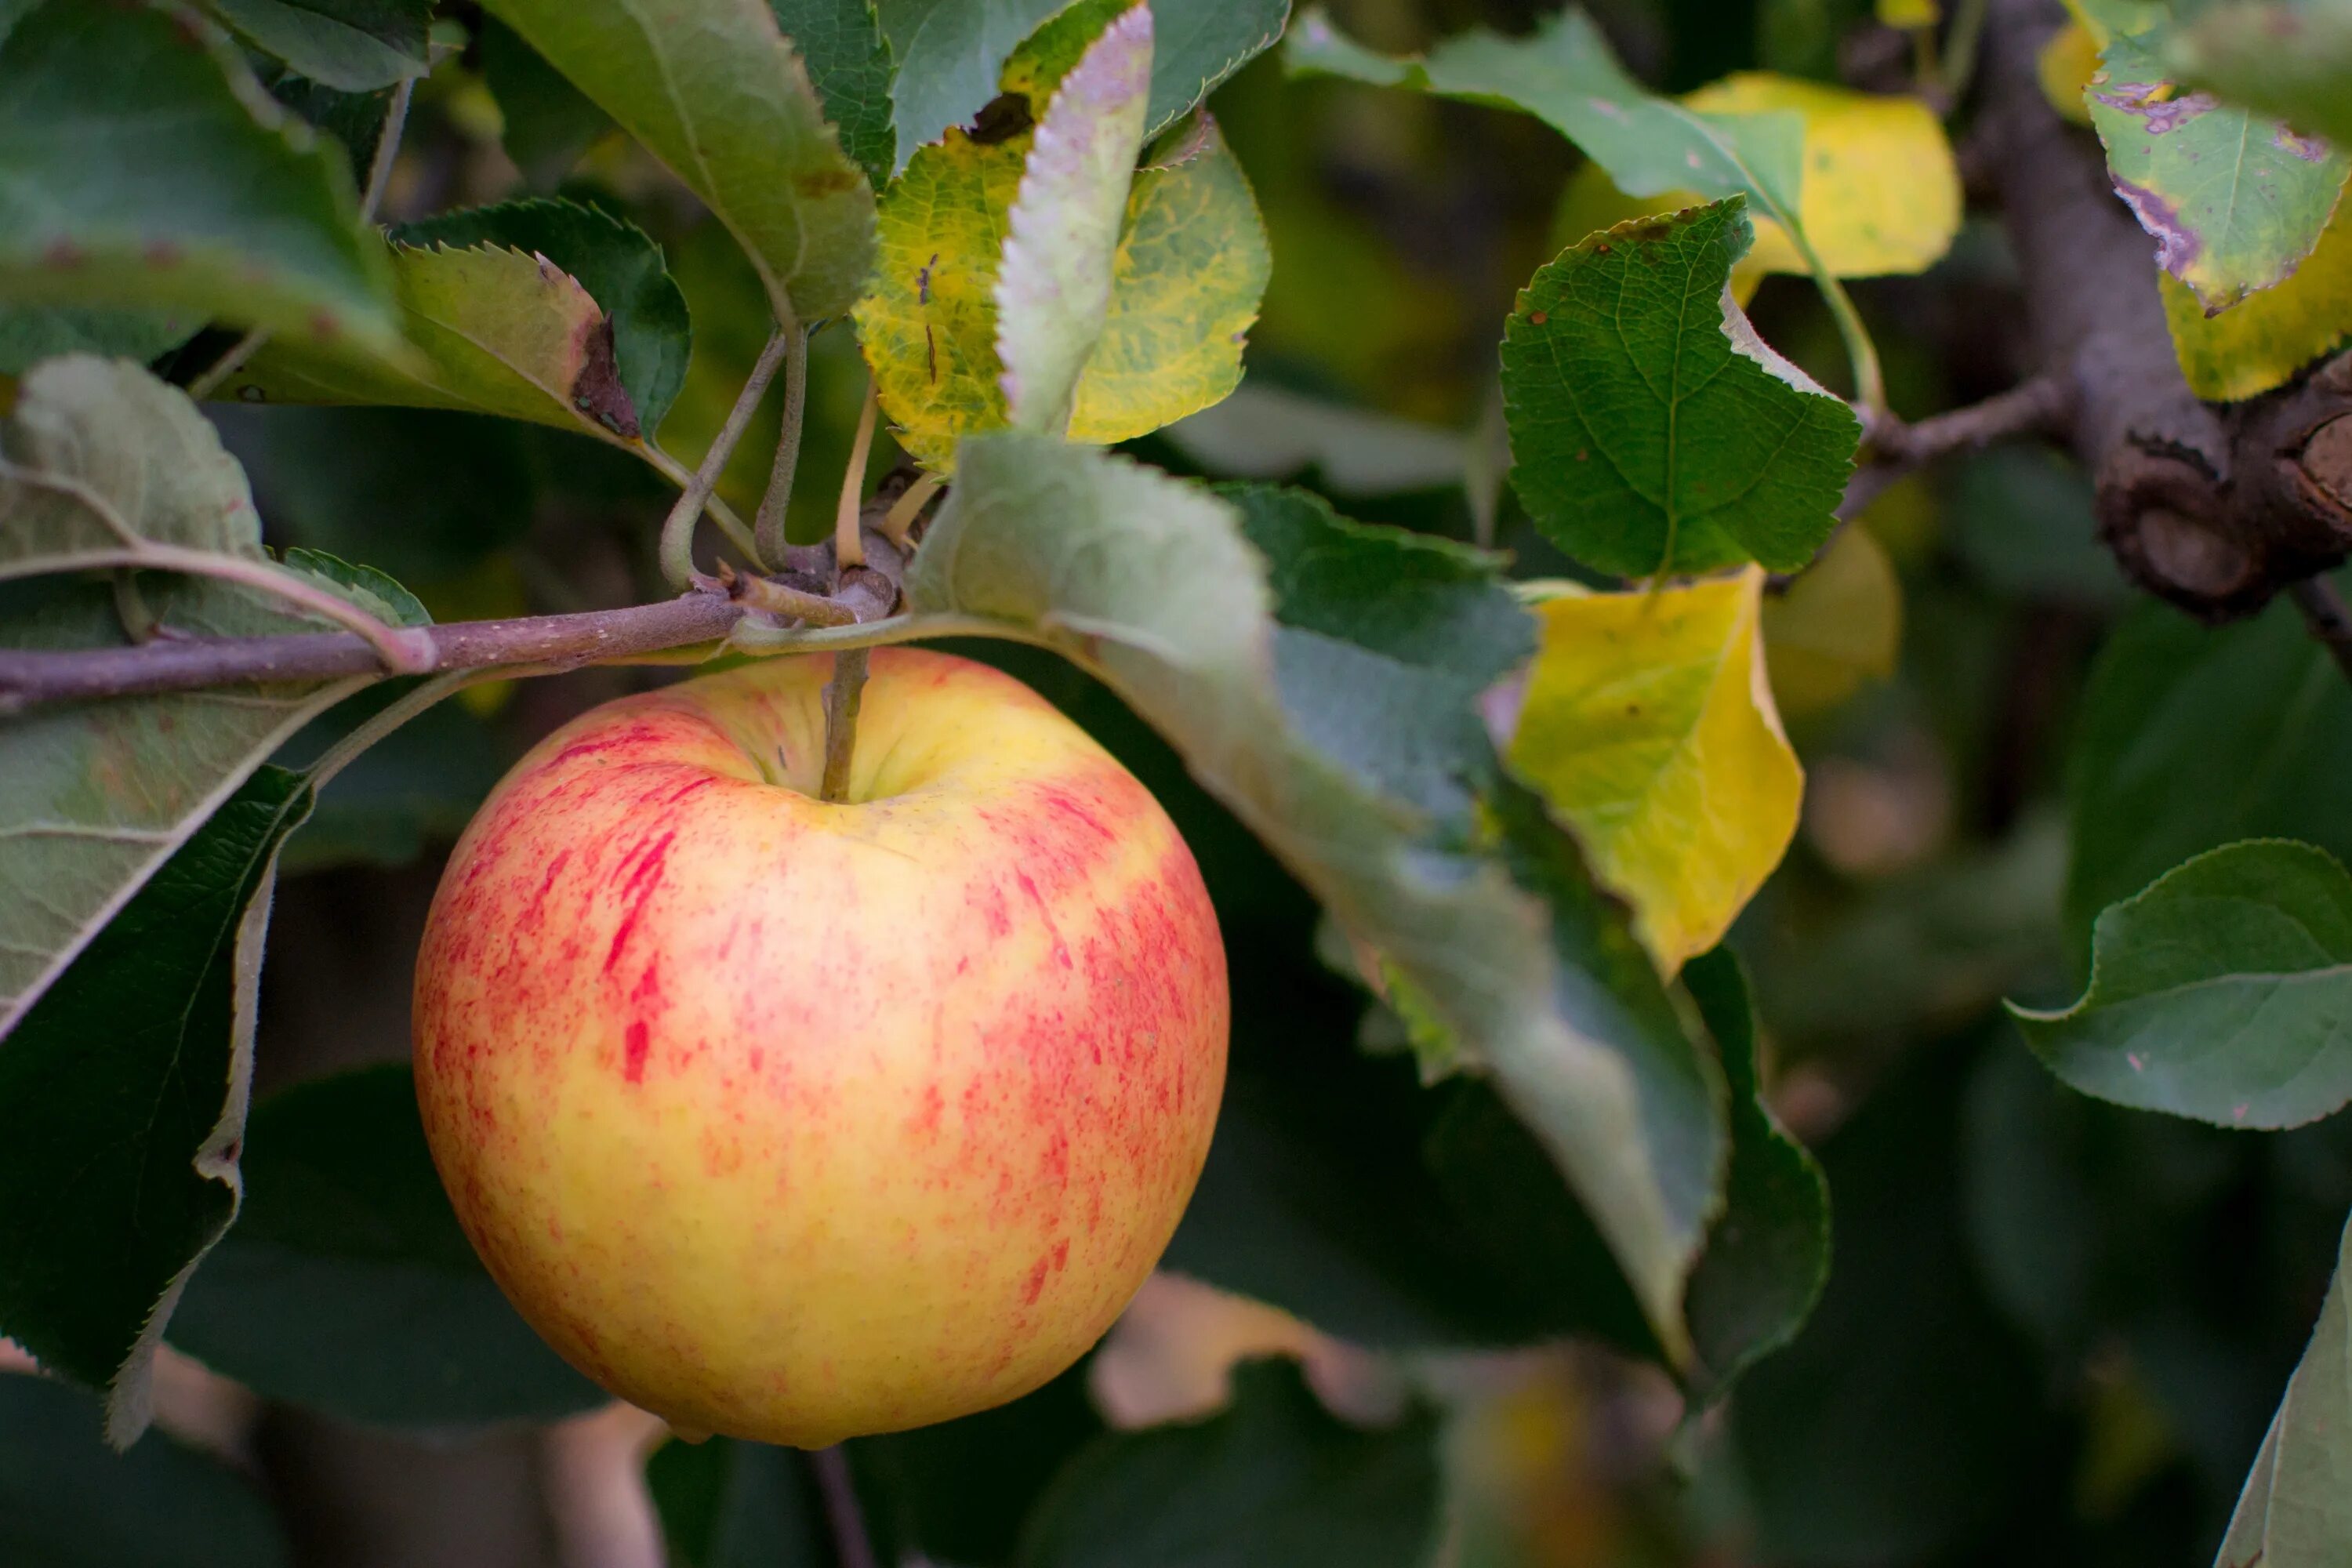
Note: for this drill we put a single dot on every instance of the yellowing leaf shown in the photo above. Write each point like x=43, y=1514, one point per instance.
x=2260, y=343
x=1190, y=267
x=2066, y=64
x=497, y=332
x=1882, y=192
x=1838, y=625
x=1648, y=727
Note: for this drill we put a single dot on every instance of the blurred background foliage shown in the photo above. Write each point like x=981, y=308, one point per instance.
x=2054, y=1329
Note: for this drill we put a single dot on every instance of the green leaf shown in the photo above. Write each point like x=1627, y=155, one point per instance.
x=347, y=1285
x=495, y=330
x=2235, y=199
x=948, y=52
x=1054, y=278
x=29, y=334
x=353, y=45
x=1196, y=44
x=1564, y=75
x=377, y=593
x=67, y=1502
x=141, y=167
x=2292, y=58
x=546, y=123
x=122, y=1101
x=1653, y=433
x=1272, y=1483
x=100, y=794
x=619, y=265
x=2191, y=738
x=841, y=40
x=2223, y=993
x=712, y=89
x=727, y=1503
x=1150, y=584
x=2292, y=1513
x=1767, y=1255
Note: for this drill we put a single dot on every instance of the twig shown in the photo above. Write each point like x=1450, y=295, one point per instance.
x=778, y=598
x=768, y=527
x=851, y=1546
x=848, y=547
x=2033, y=408
x=678, y=528
x=2326, y=616
x=388, y=149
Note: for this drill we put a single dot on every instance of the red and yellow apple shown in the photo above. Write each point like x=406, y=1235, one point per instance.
x=795, y=1120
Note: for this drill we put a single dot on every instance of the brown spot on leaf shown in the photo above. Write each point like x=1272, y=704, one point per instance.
x=1537, y=318
x=818, y=184
x=598, y=392
x=2175, y=244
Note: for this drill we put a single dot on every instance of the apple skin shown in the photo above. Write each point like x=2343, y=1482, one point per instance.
x=797, y=1121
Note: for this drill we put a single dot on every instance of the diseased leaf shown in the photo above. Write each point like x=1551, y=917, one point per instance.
x=1273, y=1481
x=2258, y=344
x=949, y=54
x=840, y=43
x=495, y=330
x=1767, y=1255
x=69, y=1501
x=712, y=89
x=1648, y=727
x=2294, y=1513
x=545, y=122
x=1149, y=584
x=124, y=1104
x=2292, y=58
x=100, y=794
x=2222, y=993
x=1654, y=432
x=346, y=1284
x=2234, y=199
x=1054, y=273
x=141, y=167
x=1838, y=625
x=351, y=46
x=616, y=262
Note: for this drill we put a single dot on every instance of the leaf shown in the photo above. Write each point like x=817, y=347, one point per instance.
x=948, y=53
x=1838, y=625
x=712, y=89
x=141, y=167
x=1266, y=432
x=2235, y=200
x=1654, y=432
x=353, y=45
x=1196, y=44
x=122, y=1100
x=1564, y=75
x=100, y=794
x=616, y=261
x=840, y=43
x=1648, y=728
x=2258, y=344
x=1149, y=584
x=496, y=331
x=1054, y=275
x=545, y=122
x=1273, y=1481
x=2223, y=992
x=2292, y=1513
x=1768, y=1256
x=67, y=1502
x=29, y=334
x=2190, y=738
x=1190, y=266
x=2292, y=58
x=347, y=1285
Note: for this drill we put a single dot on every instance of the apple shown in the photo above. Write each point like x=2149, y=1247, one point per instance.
x=796, y=1120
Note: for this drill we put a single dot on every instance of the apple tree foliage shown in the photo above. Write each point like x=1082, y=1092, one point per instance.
x=371, y=324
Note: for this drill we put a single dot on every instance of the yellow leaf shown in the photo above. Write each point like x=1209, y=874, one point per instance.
x=1648, y=727
x=2262, y=341
x=1881, y=194
x=1909, y=15
x=2066, y=63
x=1838, y=625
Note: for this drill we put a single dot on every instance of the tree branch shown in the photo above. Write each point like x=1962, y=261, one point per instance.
x=2041, y=405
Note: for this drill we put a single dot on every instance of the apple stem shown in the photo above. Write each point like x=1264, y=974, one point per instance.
x=852, y=1547
x=842, y=695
